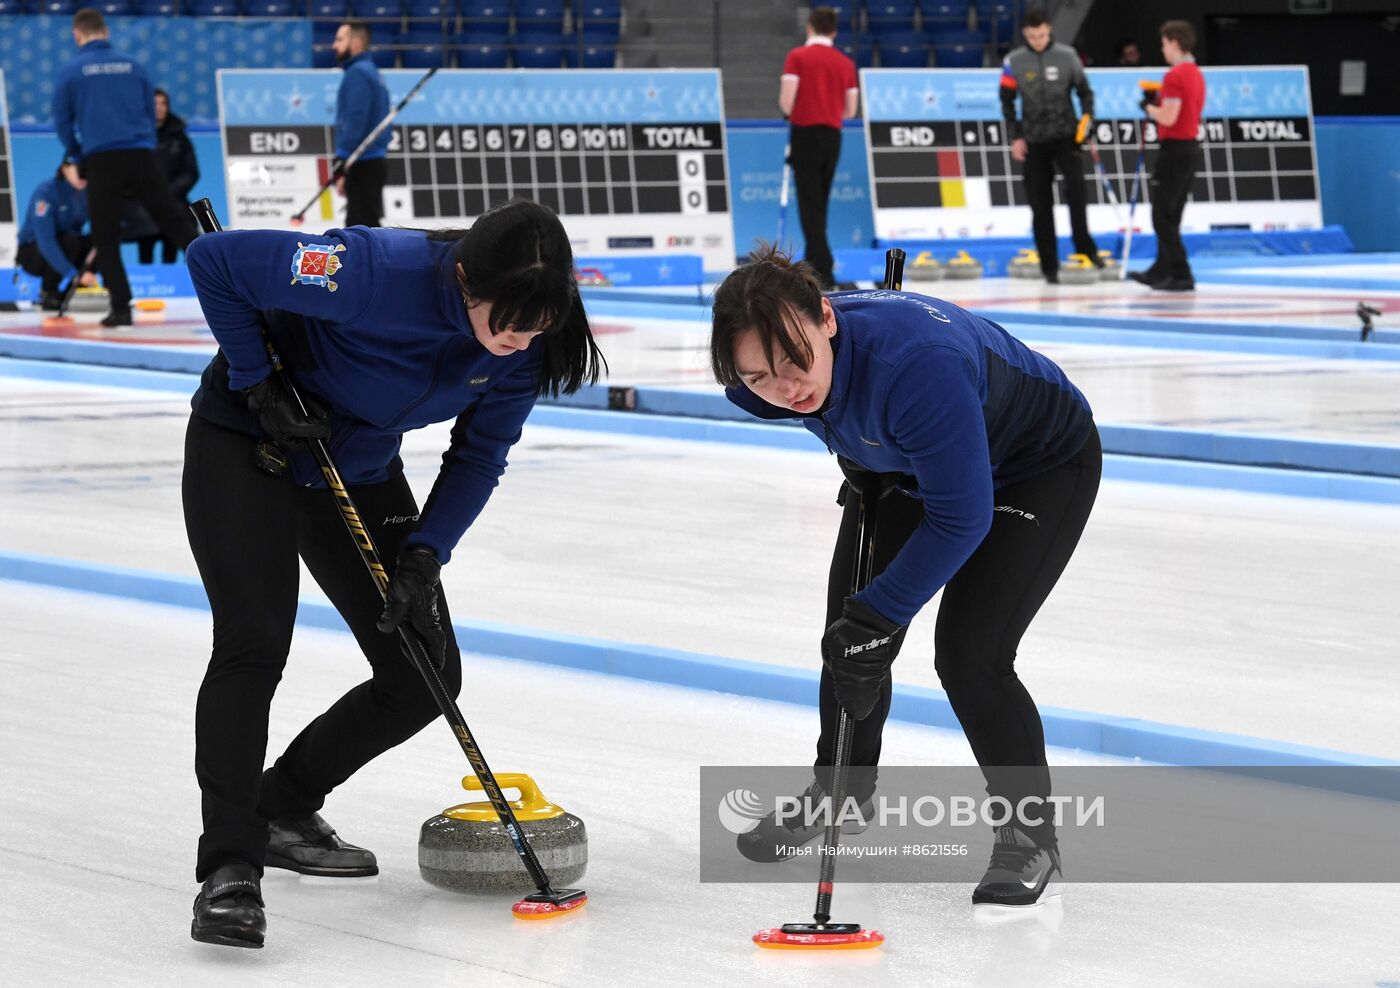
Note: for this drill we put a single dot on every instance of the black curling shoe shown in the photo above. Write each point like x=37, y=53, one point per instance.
x=1021, y=872
x=771, y=841
x=309, y=846
x=229, y=908
x=117, y=318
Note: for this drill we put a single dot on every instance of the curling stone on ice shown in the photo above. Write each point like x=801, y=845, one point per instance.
x=90, y=299
x=964, y=266
x=1026, y=264
x=465, y=849
x=925, y=267
x=1077, y=269
x=1110, y=270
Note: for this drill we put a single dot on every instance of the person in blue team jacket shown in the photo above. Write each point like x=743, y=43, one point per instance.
x=360, y=104
x=51, y=244
x=104, y=116
x=383, y=331
x=989, y=460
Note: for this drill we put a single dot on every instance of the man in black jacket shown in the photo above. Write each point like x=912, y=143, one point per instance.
x=177, y=162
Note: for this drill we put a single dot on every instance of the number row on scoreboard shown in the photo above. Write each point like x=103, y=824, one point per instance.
x=549, y=138
x=1107, y=133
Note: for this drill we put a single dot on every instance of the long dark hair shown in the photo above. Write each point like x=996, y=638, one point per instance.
x=770, y=294
x=517, y=257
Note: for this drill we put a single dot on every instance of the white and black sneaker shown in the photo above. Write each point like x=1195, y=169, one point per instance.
x=1021, y=873
x=772, y=841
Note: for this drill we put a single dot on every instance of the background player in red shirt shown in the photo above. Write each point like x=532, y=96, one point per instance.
x=1178, y=117
x=818, y=90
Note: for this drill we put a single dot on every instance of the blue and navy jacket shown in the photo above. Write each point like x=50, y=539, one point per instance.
x=386, y=344
x=103, y=101
x=922, y=387
x=54, y=209
x=361, y=102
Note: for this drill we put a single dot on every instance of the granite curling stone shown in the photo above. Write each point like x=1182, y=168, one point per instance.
x=1111, y=270
x=964, y=266
x=1078, y=270
x=925, y=267
x=93, y=299
x=466, y=849
x=1026, y=264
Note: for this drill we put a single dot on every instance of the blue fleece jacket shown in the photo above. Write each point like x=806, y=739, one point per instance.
x=922, y=387
x=361, y=102
x=54, y=209
x=388, y=346
x=103, y=101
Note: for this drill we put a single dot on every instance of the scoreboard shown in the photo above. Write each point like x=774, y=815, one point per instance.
x=941, y=166
x=9, y=215
x=633, y=160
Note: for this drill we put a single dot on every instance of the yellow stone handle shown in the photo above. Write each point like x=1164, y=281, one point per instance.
x=532, y=804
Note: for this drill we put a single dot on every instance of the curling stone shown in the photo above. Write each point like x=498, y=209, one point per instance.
x=94, y=299
x=1077, y=269
x=1110, y=270
x=1026, y=264
x=925, y=267
x=466, y=849
x=964, y=267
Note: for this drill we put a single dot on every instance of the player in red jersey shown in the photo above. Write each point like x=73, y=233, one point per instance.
x=818, y=90
x=1177, y=114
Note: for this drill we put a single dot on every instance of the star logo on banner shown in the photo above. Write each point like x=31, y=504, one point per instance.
x=653, y=93
x=929, y=98
x=664, y=271
x=297, y=102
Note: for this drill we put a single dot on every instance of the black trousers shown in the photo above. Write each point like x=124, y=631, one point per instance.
x=1042, y=161
x=814, y=153
x=1173, y=171
x=364, y=192
x=29, y=257
x=113, y=177
x=146, y=249
x=986, y=608
x=247, y=530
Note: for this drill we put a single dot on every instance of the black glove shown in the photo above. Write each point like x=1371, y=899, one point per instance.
x=1149, y=100
x=281, y=418
x=337, y=168
x=413, y=594
x=858, y=648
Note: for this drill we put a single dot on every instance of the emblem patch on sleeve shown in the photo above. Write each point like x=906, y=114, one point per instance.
x=313, y=264
x=41, y=207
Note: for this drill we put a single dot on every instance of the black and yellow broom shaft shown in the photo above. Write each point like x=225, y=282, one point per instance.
x=861, y=574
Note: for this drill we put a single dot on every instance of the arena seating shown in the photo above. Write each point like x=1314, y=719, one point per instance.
x=582, y=33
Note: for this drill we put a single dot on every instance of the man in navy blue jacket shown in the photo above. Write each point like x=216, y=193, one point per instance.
x=104, y=115
x=360, y=104
x=51, y=241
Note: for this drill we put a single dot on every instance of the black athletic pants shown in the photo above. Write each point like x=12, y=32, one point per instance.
x=814, y=153
x=146, y=249
x=113, y=177
x=1042, y=160
x=32, y=259
x=247, y=530
x=364, y=192
x=1172, y=175
x=986, y=608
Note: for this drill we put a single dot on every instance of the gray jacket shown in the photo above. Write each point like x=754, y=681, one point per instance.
x=1043, y=81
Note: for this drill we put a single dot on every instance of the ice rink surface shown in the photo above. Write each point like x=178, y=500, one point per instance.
x=99, y=812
